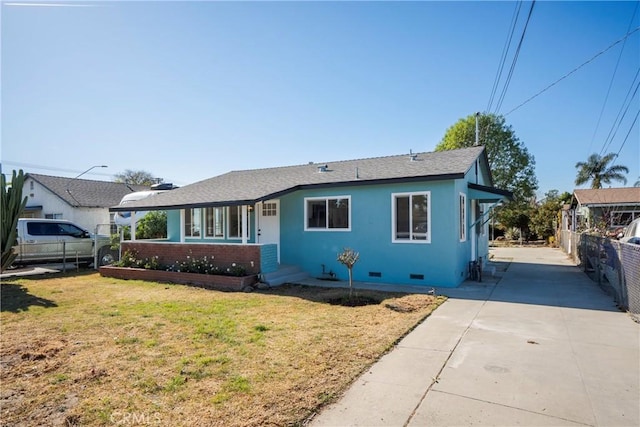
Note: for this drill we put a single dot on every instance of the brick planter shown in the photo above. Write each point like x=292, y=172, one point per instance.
x=209, y=281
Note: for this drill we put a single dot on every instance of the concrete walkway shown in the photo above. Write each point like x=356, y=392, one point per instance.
x=540, y=346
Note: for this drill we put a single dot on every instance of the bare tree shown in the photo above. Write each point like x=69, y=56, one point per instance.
x=139, y=177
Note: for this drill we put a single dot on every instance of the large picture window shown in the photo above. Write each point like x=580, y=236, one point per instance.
x=214, y=222
x=411, y=217
x=192, y=222
x=328, y=213
x=462, y=218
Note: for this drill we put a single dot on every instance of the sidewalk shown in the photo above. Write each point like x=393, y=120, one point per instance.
x=544, y=346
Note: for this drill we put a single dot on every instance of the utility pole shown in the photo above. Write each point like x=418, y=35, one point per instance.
x=477, y=128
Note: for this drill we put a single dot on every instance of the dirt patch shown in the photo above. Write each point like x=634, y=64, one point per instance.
x=410, y=303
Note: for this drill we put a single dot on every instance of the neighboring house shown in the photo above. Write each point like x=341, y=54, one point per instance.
x=84, y=202
x=415, y=219
x=607, y=209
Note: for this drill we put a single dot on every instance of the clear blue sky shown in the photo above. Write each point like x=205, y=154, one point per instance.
x=190, y=90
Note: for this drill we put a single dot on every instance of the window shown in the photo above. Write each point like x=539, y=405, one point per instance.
x=54, y=229
x=324, y=213
x=214, y=222
x=411, y=217
x=192, y=222
x=269, y=209
x=235, y=222
x=53, y=216
x=462, y=218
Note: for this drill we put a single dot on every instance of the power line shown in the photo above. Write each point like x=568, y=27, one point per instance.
x=40, y=167
x=621, y=114
x=503, y=57
x=515, y=59
x=615, y=71
x=628, y=133
x=574, y=70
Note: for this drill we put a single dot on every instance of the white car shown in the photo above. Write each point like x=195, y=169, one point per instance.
x=632, y=232
x=48, y=240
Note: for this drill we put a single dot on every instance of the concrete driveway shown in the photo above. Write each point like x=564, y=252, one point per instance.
x=539, y=345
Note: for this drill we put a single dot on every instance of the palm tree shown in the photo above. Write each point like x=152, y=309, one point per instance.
x=596, y=170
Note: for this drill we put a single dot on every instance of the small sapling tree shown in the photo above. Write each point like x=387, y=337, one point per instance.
x=348, y=257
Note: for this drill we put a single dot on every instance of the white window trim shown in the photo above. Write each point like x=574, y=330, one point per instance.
x=224, y=222
x=228, y=223
x=190, y=236
x=326, y=228
x=393, y=217
x=462, y=222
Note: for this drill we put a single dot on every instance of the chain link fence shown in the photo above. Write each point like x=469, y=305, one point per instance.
x=615, y=266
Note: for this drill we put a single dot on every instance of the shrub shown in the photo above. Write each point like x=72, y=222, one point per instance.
x=203, y=265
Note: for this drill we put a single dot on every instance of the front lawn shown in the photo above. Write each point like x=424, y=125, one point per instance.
x=87, y=350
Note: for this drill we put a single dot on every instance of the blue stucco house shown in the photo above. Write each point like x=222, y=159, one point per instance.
x=415, y=219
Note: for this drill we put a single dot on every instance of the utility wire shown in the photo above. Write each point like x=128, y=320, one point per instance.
x=505, y=50
x=628, y=133
x=41, y=167
x=515, y=60
x=574, y=70
x=615, y=71
x=621, y=114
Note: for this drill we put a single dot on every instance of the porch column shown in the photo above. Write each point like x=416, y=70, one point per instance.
x=472, y=230
x=133, y=225
x=182, y=221
x=245, y=224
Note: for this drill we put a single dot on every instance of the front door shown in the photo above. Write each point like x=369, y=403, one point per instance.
x=268, y=223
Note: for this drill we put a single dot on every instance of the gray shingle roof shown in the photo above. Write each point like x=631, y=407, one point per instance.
x=608, y=196
x=84, y=192
x=250, y=186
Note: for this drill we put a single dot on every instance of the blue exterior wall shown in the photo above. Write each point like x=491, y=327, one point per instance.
x=268, y=258
x=482, y=242
x=371, y=236
x=442, y=262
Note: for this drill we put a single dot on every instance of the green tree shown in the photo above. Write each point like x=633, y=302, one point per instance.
x=512, y=166
x=12, y=206
x=136, y=177
x=597, y=170
x=544, y=218
x=152, y=226
x=516, y=215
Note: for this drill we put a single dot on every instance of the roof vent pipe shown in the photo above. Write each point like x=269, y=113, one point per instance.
x=323, y=168
x=412, y=156
x=357, y=175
